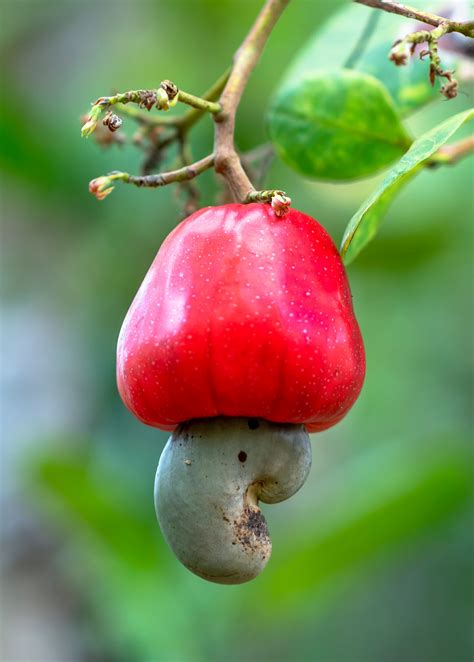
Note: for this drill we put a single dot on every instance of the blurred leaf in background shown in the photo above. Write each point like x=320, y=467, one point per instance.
x=359, y=38
x=338, y=126
x=364, y=224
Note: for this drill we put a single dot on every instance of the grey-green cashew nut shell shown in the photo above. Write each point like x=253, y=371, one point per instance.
x=210, y=477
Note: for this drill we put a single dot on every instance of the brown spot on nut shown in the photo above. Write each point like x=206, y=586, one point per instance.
x=251, y=530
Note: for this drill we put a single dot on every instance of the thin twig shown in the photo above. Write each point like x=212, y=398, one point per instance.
x=363, y=40
x=451, y=154
x=193, y=115
x=182, y=122
x=102, y=186
x=144, y=118
x=403, y=48
x=157, y=149
x=189, y=187
x=163, y=98
x=466, y=28
x=257, y=161
x=198, y=102
x=230, y=87
x=181, y=175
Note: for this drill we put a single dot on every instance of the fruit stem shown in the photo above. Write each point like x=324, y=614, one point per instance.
x=227, y=161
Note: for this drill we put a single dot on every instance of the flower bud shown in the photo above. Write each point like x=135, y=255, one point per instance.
x=281, y=203
x=147, y=99
x=112, y=121
x=101, y=187
x=162, y=99
x=450, y=89
x=88, y=128
x=170, y=88
x=172, y=92
x=92, y=119
x=399, y=54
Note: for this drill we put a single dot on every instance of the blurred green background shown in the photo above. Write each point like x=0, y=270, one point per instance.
x=372, y=560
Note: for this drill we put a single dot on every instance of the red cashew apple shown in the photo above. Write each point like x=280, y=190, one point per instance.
x=241, y=339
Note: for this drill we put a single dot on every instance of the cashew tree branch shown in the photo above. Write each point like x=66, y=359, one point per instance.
x=182, y=122
x=466, y=28
x=225, y=158
x=403, y=48
x=228, y=162
x=102, y=186
x=451, y=154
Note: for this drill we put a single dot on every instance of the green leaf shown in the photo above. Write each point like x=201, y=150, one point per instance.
x=364, y=224
x=337, y=40
x=118, y=559
x=100, y=504
x=336, y=125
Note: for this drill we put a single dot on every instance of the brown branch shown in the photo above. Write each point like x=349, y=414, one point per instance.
x=183, y=122
x=451, y=154
x=227, y=160
x=181, y=175
x=257, y=161
x=403, y=48
x=466, y=28
x=164, y=97
x=102, y=186
x=189, y=188
x=144, y=118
